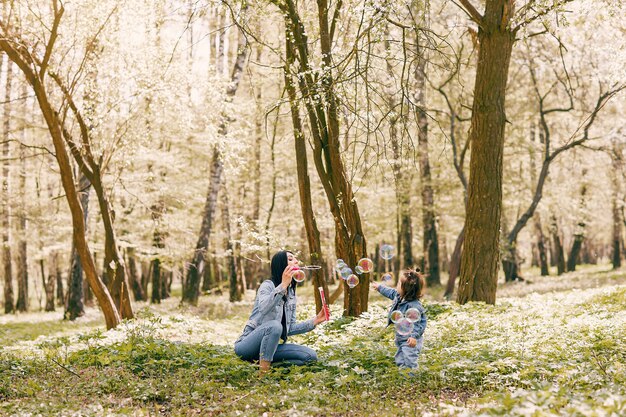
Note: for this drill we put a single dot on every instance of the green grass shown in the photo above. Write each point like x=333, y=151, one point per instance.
x=557, y=353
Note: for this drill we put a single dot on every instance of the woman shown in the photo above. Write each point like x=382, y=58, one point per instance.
x=274, y=317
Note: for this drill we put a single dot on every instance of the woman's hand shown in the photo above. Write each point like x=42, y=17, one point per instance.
x=287, y=276
x=411, y=341
x=320, y=318
x=375, y=285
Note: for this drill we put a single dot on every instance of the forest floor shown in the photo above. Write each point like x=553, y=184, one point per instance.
x=550, y=346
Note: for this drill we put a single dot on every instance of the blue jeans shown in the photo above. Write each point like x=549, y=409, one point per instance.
x=262, y=343
x=407, y=356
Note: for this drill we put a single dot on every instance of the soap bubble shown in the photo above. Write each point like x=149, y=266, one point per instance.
x=345, y=272
x=341, y=263
x=352, y=281
x=358, y=270
x=366, y=265
x=298, y=275
x=396, y=316
x=412, y=315
x=387, y=252
x=387, y=277
x=404, y=327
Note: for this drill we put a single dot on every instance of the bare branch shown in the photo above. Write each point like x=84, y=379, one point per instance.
x=58, y=13
x=471, y=11
x=540, y=13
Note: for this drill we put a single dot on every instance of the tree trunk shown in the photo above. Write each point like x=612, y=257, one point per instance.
x=75, y=306
x=455, y=265
x=195, y=269
x=430, y=241
x=134, y=276
x=579, y=234
x=155, y=268
x=558, y=247
x=541, y=246
x=49, y=283
x=56, y=129
x=113, y=261
x=304, y=188
x=617, y=164
x=235, y=293
x=9, y=306
x=350, y=243
x=574, y=254
x=479, y=262
x=22, y=249
x=158, y=210
x=60, y=293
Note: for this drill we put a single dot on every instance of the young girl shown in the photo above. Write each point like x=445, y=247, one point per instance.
x=407, y=295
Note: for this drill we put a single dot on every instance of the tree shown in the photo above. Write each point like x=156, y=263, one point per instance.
x=496, y=36
x=9, y=305
x=317, y=87
x=35, y=68
x=510, y=260
x=195, y=268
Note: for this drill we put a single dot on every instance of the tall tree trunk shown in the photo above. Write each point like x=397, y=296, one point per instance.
x=430, y=241
x=9, y=305
x=195, y=268
x=479, y=262
x=350, y=243
x=75, y=306
x=304, y=187
x=22, y=249
x=402, y=177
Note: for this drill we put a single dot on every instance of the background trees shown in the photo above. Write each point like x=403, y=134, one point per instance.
x=376, y=97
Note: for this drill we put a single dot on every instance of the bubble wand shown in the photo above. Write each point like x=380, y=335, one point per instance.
x=324, y=305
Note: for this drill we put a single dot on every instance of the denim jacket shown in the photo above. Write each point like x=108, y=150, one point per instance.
x=399, y=304
x=268, y=306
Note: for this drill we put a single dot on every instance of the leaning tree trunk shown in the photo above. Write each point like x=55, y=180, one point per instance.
x=455, y=265
x=304, y=187
x=195, y=269
x=75, y=306
x=9, y=305
x=350, y=243
x=114, y=265
x=56, y=127
x=479, y=262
